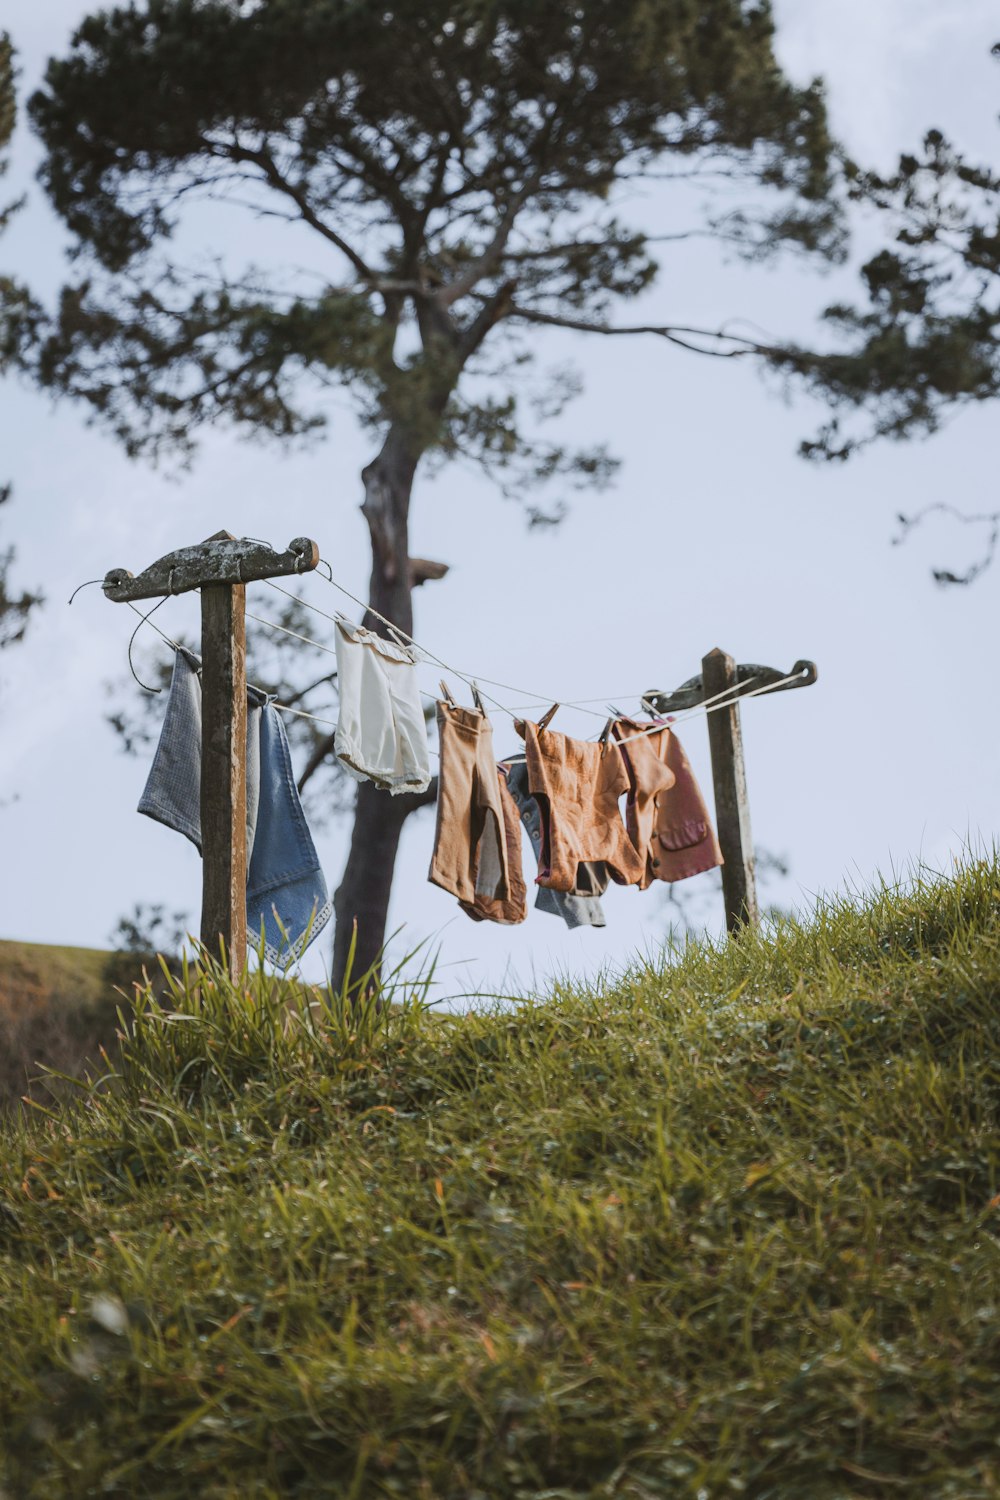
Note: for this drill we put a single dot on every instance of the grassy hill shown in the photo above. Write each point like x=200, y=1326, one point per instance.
x=728, y=1228
x=57, y=1007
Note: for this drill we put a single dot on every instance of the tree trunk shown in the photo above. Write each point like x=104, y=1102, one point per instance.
x=362, y=899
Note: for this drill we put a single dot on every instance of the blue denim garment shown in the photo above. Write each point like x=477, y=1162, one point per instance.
x=285, y=884
x=287, y=900
x=172, y=794
x=577, y=909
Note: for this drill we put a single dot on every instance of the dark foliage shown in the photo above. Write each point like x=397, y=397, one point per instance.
x=14, y=305
x=925, y=342
x=457, y=159
x=15, y=607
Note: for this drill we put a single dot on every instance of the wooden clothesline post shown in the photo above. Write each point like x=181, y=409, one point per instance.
x=220, y=567
x=721, y=677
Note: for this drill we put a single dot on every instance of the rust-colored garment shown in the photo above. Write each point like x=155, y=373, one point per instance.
x=576, y=784
x=470, y=846
x=513, y=908
x=665, y=814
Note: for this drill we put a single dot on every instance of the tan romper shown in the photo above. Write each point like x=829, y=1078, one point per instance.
x=513, y=908
x=470, y=844
x=576, y=784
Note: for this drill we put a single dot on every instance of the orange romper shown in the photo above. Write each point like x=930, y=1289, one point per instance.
x=665, y=814
x=577, y=784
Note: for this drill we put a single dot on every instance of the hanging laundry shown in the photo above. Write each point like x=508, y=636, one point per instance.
x=172, y=794
x=580, y=907
x=470, y=845
x=577, y=784
x=287, y=898
x=381, y=732
x=288, y=904
x=665, y=814
x=513, y=908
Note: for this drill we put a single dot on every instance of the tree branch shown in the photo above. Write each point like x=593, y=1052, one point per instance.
x=494, y=309
x=454, y=291
x=674, y=333
x=945, y=576
x=567, y=247
x=269, y=167
x=411, y=802
x=321, y=750
x=290, y=699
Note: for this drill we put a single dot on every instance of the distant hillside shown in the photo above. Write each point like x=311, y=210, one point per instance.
x=728, y=1227
x=57, y=1007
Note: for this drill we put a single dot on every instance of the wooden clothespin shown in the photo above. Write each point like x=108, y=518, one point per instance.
x=547, y=718
x=477, y=699
x=446, y=694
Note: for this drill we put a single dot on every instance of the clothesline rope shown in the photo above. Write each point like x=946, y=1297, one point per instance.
x=300, y=713
x=723, y=699
x=708, y=705
x=537, y=699
x=468, y=679
x=273, y=625
x=400, y=634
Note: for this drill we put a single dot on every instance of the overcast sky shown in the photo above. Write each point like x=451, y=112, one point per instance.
x=715, y=534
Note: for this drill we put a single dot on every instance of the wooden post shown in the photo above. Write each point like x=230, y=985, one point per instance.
x=732, y=805
x=223, y=773
x=221, y=568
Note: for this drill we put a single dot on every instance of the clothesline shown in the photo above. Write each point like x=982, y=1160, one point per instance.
x=592, y=815
x=723, y=699
x=285, y=708
x=466, y=677
x=665, y=833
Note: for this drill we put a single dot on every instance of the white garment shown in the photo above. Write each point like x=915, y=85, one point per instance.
x=381, y=731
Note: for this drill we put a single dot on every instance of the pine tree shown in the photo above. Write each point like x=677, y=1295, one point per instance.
x=458, y=161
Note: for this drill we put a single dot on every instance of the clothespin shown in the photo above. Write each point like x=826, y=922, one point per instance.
x=399, y=636
x=547, y=718
x=605, y=732
x=446, y=694
x=477, y=700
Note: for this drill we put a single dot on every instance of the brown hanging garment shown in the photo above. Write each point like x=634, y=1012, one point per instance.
x=577, y=784
x=513, y=908
x=666, y=815
x=470, y=845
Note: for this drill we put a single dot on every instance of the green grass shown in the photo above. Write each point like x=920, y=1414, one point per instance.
x=728, y=1228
